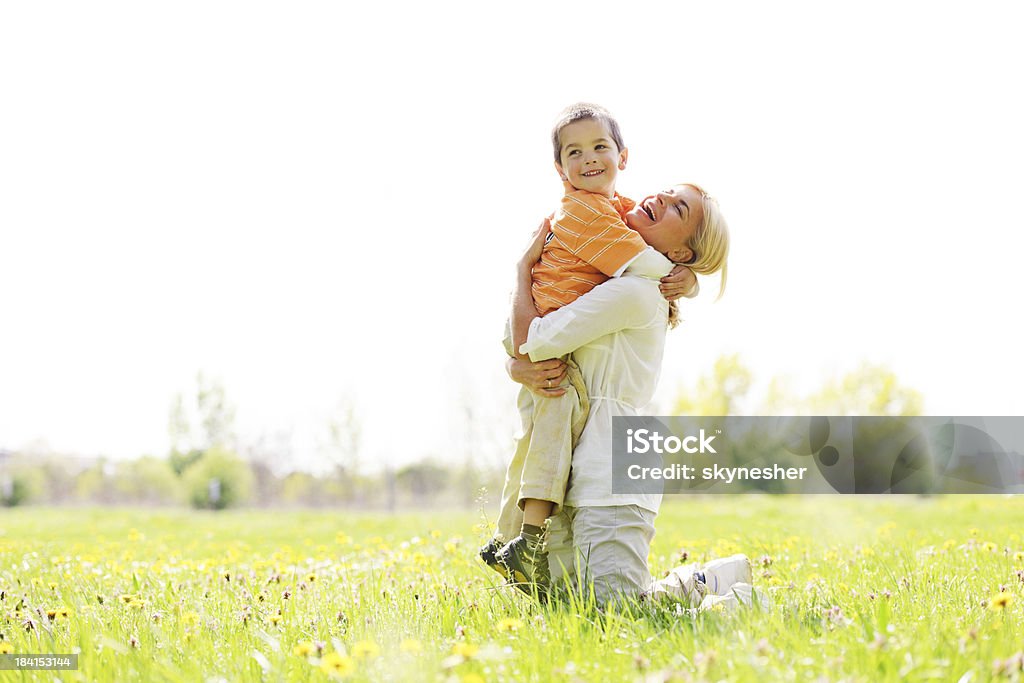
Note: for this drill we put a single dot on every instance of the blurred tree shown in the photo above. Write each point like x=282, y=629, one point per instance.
x=424, y=480
x=14, y=489
x=200, y=424
x=219, y=479
x=719, y=393
x=147, y=480
x=344, y=449
x=302, y=488
x=269, y=456
x=868, y=390
x=92, y=484
x=180, y=462
x=345, y=437
x=21, y=485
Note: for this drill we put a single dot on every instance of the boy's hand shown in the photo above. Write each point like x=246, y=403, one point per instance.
x=536, y=246
x=680, y=282
x=541, y=378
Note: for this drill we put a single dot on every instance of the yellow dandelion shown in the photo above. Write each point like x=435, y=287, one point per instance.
x=365, y=649
x=974, y=531
x=1018, y=557
x=410, y=645
x=52, y=586
x=137, y=604
x=509, y=625
x=867, y=551
x=435, y=533
x=949, y=544
x=5, y=648
x=473, y=678
x=275, y=619
x=310, y=578
x=1000, y=601
x=189, y=618
x=303, y=649
x=450, y=548
x=341, y=538
x=465, y=650
x=126, y=598
x=989, y=546
x=337, y=664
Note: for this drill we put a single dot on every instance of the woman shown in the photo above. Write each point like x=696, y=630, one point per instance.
x=617, y=336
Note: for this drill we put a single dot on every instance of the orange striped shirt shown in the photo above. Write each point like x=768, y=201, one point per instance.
x=589, y=243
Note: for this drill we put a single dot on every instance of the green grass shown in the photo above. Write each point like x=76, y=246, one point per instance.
x=866, y=589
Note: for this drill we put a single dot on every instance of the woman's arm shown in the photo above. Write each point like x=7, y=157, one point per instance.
x=541, y=378
x=622, y=303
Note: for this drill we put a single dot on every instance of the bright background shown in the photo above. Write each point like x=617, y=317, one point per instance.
x=321, y=203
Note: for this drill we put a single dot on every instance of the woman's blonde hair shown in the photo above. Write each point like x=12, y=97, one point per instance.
x=710, y=247
x=710, y=243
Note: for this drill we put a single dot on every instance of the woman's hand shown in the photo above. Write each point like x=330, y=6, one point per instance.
x=680, y=282
x=542, y=378
x=536, y=246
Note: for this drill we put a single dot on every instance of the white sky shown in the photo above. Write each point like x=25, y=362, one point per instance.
x=324, y=200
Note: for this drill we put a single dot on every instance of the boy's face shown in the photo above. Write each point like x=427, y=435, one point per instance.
x=589, y=158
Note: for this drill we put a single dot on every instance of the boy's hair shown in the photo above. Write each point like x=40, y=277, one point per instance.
x=710, y=243
x=580, y=112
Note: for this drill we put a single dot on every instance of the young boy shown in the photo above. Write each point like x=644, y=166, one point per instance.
x=589, y=243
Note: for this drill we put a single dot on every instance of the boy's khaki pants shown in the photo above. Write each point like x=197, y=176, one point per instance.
x=543, y=457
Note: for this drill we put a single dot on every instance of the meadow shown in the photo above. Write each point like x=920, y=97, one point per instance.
x=862, y=589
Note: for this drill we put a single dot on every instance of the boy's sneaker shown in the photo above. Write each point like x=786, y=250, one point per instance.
x=527, y=565
x=489, y=555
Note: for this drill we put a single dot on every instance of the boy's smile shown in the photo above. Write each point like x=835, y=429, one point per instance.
x=589, y=157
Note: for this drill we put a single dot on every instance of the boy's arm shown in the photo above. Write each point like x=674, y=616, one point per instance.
x=523, y=308
x=681, y=282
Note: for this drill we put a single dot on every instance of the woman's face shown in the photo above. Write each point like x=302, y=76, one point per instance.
x=668, y=220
